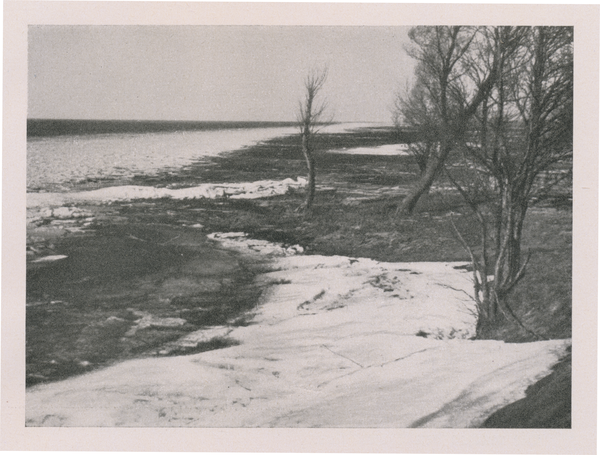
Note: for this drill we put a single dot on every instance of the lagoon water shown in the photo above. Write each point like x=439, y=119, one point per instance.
x=59, y=163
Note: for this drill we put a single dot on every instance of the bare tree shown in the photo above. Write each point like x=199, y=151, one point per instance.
x=310, y=116
x=445, y=97
x=413, y=111
x=521, y=130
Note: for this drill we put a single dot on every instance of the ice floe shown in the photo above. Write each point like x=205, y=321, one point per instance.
x=51, y=258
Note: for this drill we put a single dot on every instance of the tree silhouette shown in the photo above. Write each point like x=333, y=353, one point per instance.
x=310, y=116
x=522, y=131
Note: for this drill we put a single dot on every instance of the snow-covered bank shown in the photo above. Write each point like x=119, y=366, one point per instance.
x=246, y=190
x=337, y=128
x=336, y=342
x=389, y=150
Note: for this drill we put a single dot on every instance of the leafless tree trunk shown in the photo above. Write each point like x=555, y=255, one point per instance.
x=522, y=129
x=439, y=105
x=310, y=114
x=412, y=110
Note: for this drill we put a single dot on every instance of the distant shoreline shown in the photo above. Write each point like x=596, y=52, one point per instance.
x=62, y=127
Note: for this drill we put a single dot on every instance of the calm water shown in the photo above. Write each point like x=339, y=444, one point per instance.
x=58, y=163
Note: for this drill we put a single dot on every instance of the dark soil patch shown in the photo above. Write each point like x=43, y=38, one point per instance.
x=83, y=311
x=282, y=157
x=547, y=404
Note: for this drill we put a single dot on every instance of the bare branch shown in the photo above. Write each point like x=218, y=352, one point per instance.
x=309, y=114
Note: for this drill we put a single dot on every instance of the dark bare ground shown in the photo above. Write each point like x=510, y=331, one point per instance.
x=547, y=404
x=124, y=291
x=140, y=254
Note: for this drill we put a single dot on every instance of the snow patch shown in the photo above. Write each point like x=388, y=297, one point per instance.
x=51, y=258
x=247, y=190
x=388, y=150
x=239, y=241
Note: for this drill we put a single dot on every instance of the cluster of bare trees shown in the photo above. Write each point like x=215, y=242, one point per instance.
x=499, y=102
x=493, y=107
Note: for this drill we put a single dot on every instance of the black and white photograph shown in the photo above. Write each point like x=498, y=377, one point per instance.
x=298, y=226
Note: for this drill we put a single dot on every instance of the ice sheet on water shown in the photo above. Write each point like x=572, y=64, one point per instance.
x=63, y=159
x=428, y=298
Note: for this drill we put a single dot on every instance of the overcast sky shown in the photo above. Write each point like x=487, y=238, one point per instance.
x=211, y=72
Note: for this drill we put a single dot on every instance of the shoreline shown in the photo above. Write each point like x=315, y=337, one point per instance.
x=79, y=242
x=355, y=200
